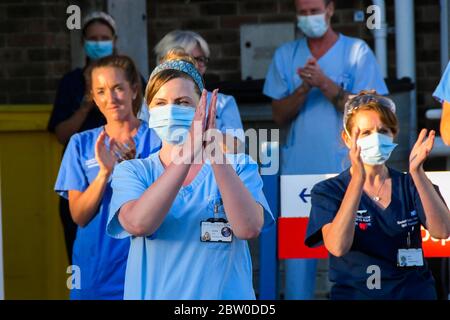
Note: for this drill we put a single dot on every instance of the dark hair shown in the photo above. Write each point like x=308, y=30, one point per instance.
x=165, y=76
x=98, y=20
x=128, y=67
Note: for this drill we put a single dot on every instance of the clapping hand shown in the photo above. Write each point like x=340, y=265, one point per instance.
x=355, y=157
x=311, y=73
x=421, y=150
x=117, y=152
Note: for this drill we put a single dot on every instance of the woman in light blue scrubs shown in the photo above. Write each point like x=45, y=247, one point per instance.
x=188, y=211
x=228, y=119
x=85, y=174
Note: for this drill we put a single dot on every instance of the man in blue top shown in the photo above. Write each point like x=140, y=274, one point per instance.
x=309, y=81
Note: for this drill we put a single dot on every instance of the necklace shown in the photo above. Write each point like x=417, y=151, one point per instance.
x=377, y=197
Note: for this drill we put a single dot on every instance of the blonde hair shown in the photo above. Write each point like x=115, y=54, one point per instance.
x=161, y=78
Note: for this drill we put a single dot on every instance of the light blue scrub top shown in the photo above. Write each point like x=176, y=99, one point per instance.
x=314, y=143
x=173, y=263
x=442, y=92
x=101, y=259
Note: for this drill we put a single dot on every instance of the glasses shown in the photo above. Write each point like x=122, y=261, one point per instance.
x=202, y=60
x=363, y=99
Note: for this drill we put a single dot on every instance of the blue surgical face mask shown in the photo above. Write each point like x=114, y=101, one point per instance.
x=313, y=26
x=98, y=49
x=376, y=148
x=171, y=122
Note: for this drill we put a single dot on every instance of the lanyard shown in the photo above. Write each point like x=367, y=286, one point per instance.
x=408, y=238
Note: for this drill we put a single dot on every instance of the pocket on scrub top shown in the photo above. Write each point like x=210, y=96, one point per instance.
x=343, y=80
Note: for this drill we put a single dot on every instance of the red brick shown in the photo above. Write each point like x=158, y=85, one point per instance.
x=234, y=22
x=221, y=36
x=42, y=84
x=256, y=7
x=170, y=10
x=200, y=24
x=277, y=18
x=218, y=8
x=26, y=40
x=286, y=6
x=25, y=11
x=231, y=50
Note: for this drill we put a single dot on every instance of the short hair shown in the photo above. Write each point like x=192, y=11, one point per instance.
x=184, y=39
x=129, y=69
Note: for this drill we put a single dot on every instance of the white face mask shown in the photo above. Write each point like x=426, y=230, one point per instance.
x=313, y=26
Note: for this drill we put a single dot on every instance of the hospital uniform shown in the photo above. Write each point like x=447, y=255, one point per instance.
x=379, y=234
x=173, y=263
x=100, y=258
x=313, y=144
x=442, y=92
x=70, y=93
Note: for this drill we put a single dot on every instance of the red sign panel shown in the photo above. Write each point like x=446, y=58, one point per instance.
x=434, y=247
x=291, y=238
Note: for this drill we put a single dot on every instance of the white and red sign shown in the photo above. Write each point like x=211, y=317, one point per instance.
x=295, y=200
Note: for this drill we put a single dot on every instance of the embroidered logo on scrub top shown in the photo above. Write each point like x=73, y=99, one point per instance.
x=363, y=220
x=91, y=163
x=410, y=221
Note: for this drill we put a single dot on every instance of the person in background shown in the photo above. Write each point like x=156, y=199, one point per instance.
x=442, y=94
x=309, y=81
x=370, y=216
x=228, y=117
x=72, y=110
x=187, y=212
x=84, y=178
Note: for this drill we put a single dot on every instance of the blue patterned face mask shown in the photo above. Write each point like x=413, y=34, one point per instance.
x=376, y=148
x=171, y=122
x=98, y=49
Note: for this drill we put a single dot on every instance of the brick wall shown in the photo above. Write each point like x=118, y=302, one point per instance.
x=219, y=21
x=35, y=44
x=34, y=50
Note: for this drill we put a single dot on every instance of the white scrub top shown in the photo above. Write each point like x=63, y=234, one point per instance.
x=173, y=263
x=314, y=144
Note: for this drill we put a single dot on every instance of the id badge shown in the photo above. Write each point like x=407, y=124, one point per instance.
x=215, y=231
x=409, y=258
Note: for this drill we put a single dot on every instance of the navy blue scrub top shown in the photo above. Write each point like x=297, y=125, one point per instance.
x=378, y=236
x=68, y=99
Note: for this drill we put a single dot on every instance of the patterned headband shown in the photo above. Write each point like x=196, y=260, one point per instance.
x=182, y=66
